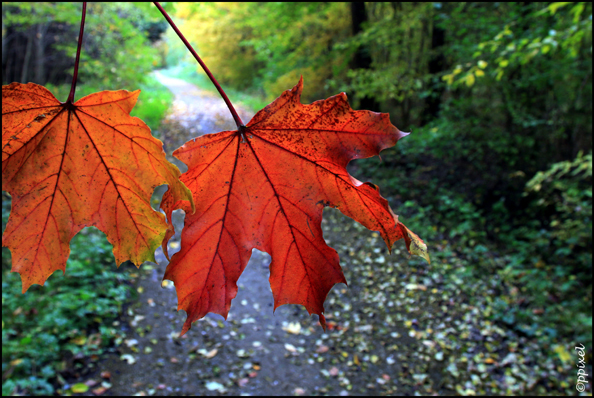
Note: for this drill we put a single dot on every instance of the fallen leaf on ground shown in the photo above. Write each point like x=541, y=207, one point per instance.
x=293, y=328
x=137, y=318
x=79, y=340
x=211, y=353
x=79, y=388
x=128, y=358
x=290, y=347
x=415, y=286
x=99, y=390
x=214, y=386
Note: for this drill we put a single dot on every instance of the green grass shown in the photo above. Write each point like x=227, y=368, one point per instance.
x=154, y=101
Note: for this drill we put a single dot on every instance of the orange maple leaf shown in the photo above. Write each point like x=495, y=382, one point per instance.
x=265, y=187
x=68, y=166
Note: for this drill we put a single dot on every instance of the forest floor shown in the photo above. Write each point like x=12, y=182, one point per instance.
x=401, y=327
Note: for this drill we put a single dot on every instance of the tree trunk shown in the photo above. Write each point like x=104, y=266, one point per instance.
x=362, y=59
x=28, y=51
x=40, y=53
x=436, y=66
x=4, y=46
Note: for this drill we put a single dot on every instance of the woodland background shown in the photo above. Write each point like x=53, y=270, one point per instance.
x=496, y=174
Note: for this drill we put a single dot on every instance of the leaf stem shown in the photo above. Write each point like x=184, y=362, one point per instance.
x=236, y=117
x=80, y=38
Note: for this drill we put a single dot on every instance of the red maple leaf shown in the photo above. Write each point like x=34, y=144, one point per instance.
x=265, y=187
x=68, y=166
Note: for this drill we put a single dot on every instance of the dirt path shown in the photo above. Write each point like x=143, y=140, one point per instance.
x=254, y=351
x=376, y=341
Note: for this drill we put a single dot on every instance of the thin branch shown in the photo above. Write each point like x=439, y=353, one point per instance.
x=80, y=39
x=236, y=117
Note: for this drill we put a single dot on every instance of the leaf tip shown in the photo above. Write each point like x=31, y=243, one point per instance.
x=25, y=286
x=402, y=134
x=298, y=89
x=187, y=326
x=415, y=245
x=322, y=321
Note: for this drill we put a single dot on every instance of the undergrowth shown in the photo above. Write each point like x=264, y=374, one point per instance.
x=55, y=331
x=542, y=255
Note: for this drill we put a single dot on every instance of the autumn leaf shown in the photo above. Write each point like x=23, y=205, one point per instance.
x=265, y=187
x=69, y=166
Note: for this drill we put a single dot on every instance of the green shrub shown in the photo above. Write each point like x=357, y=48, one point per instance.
x=153, y=103
x=69, y=314
x=542, y=254
x=550, y=256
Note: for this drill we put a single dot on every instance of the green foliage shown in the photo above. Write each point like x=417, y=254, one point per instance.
x=267, y=48
x=153, y=103
x=116, y=47
x=495, y=131
x=552, y=248
x=395, y=75
x=566, y=187
x=531, y=71
x=26, y=14
x=516, y=45
x=69, y=317
x=114, y=53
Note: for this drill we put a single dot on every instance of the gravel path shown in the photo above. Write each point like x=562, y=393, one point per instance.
x=401, y=327
x=254, y=351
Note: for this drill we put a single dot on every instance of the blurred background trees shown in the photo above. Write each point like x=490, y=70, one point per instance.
x=120, y=49
x=498, y=97
x=39, y=42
